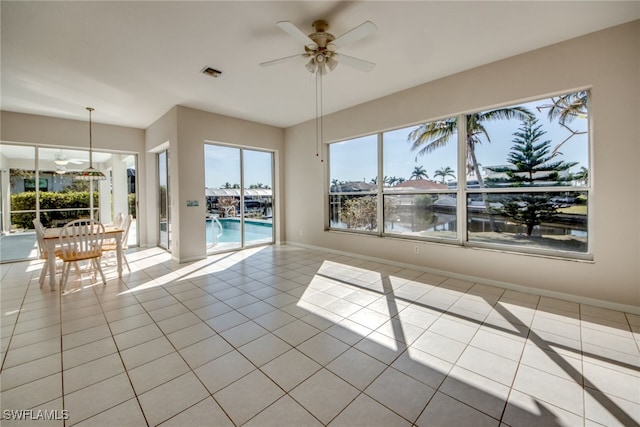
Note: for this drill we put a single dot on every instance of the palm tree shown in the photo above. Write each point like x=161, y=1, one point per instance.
x=419, y=172
x=565, y=109
x=430, y=136
x=444, y=172
x=582, y=175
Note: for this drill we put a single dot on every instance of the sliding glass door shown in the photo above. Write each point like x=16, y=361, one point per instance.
x=164, y=229
x=39, y=182
x=257, y=171
x=239, y=193
x=21, y=186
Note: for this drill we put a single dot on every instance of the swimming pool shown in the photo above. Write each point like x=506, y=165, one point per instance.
x=254, y=231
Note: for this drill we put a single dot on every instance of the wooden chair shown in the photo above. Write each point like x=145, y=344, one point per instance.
x=81, y=240
x=42, y=249
x=112, y=246
x=117, y=223
x=118, y=220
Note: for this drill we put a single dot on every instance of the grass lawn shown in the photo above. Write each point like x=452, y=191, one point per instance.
x=575, y=210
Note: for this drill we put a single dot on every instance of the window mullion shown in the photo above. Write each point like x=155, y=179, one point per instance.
x=380, y=198
x=461, y=194
x=37, y=177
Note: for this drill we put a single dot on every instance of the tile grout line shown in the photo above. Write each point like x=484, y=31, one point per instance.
x=515, y=375
x=179, y=354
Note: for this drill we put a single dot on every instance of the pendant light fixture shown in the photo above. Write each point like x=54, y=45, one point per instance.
x=91, y=174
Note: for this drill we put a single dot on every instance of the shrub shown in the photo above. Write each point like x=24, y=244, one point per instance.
x=51, y=205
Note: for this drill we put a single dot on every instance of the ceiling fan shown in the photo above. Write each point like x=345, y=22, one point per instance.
x=62, y=160
x=61, y=170
x=321, y=47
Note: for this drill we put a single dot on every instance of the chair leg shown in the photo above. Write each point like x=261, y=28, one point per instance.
x=124, y=258
x=96, y=263
x=43, y=273
x=66, y=268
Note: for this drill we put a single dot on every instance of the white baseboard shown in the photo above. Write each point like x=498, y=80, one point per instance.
x=188, y=259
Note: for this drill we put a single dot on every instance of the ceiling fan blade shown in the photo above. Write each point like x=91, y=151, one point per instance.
x=358, y=64
x=297, y=34
x=281, y=60
x=355, y=34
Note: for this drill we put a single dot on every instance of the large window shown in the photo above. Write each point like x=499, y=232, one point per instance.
x=417, y=197
x=524, y=171
x=40, y=182
x=353, y=201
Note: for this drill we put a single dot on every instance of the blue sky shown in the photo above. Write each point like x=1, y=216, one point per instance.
x=356, y=160
x=222, y=165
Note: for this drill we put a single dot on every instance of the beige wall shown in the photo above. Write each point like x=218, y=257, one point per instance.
x=161, y=135
x=32, y=129
x=185, y=130
x=608, y=62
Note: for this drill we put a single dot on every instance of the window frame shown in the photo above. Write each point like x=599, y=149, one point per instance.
x=462, y=191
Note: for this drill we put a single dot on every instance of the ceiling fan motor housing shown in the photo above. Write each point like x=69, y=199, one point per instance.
x=321, y=37
x=322, y=53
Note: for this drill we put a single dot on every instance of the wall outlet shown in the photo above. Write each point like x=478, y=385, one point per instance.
x=416, y=249
x=301, y=233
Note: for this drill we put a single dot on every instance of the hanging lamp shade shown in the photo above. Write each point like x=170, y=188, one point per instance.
x=90, y=174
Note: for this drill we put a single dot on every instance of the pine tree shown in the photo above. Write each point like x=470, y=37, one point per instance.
x=532, y=165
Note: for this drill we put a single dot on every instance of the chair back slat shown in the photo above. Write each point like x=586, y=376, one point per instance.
x=126, y=225
x=118, y=221
x=42, y=247
x=81, y=239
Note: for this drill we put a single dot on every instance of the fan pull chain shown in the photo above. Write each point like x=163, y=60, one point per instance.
x=319, y=124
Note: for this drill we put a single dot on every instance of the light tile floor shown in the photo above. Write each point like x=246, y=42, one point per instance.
x=284, y=336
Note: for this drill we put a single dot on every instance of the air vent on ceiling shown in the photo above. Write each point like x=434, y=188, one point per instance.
x=211, y=72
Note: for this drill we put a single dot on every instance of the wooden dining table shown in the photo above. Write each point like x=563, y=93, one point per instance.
x=52, y=239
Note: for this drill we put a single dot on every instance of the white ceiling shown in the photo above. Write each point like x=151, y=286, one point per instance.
x=132, y=61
